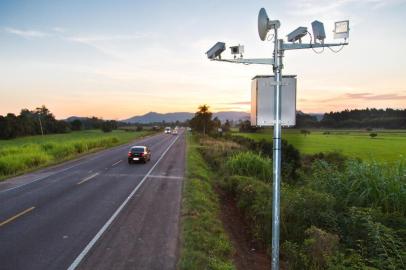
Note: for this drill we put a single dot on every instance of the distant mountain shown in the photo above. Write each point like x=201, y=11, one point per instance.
x=153, y=117
x=319, y=116
x=73, y=118
x=232, y=116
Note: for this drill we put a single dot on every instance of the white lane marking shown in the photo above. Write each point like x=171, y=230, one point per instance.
x=116, y=163
x=84, y=252
x=88, y=178
x=165, y=177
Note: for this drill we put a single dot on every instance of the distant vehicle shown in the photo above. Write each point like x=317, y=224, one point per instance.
x=168, y=130
x=175, y=131
x=139, y=154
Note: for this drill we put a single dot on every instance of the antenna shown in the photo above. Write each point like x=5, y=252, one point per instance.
x=263, y=21
x=264, y=24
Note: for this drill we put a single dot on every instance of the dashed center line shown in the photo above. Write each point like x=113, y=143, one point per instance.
x=116, y=163
x=17, y=216
x=88, y=178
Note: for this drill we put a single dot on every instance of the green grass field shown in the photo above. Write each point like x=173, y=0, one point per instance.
x=27, y=153
x=388, y=146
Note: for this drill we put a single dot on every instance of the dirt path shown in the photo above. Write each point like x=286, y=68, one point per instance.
x=249, y=254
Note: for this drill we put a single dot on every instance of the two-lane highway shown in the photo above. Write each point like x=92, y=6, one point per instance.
x=96, y=212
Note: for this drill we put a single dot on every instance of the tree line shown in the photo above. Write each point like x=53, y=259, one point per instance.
x=42, y=121
x=365, y=118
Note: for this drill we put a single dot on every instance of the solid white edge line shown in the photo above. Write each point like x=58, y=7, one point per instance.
x=84, y=252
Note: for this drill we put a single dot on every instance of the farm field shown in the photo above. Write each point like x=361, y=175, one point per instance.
x=27, y=153
x=388, y=146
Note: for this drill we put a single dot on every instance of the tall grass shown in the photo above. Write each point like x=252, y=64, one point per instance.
x=24, y=154
x=250, y=164
x=364, y=184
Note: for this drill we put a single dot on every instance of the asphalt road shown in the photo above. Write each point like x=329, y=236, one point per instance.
x=97, y=212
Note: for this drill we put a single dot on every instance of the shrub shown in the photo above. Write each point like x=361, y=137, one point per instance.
x=374, y=241
x=373, y=135
x=303, y=207
x=319, y=246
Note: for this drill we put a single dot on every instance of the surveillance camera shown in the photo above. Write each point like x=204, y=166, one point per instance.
x=318, y=31
x=216, y=50
x=237, y=49
x=297, y=34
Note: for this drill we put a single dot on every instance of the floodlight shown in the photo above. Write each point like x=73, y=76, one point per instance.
x=237, y=49
x=318, y=31
x=216, y=50
x=297, y=34
x=342, y=29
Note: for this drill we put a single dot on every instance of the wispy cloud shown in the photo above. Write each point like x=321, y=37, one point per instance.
x=319, y=7
x=366, y=96
x=102, y=38
x=103, y=43
x=25, y=33
x=240, y=103
x=59, y=29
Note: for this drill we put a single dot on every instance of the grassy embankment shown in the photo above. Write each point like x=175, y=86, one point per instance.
x=204, y=242
x=336, y=213
x=388, y=146
x=28, y=153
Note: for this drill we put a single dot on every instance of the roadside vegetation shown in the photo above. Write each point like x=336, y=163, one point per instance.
x=339, y=210
x=336, y=213
x=205, y=245
x=32, y=152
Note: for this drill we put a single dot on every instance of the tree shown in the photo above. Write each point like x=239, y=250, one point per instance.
x=76, y=124
x=227, y=126
x=245, y=126
x=106, y=126
x=202, y=122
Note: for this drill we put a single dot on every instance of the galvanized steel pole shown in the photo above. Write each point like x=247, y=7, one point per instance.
x=277, y=151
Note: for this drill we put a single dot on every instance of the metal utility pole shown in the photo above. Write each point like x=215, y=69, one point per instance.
x=277, y=150
x=341, y=31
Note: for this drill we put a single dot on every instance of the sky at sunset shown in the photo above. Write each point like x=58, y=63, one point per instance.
x=116, y=59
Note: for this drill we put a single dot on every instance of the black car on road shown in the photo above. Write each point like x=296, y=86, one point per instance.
x=139, y=154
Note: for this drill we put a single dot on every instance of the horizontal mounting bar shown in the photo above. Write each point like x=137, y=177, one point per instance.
x=297, y=46
x=254, y=61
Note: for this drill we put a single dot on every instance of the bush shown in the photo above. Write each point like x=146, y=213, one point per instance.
x=303, y=207
x=377, y=243
x=319, y=246
x=373, y=135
